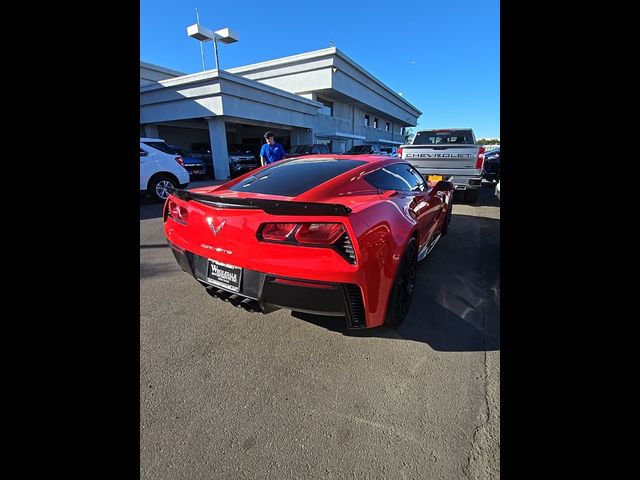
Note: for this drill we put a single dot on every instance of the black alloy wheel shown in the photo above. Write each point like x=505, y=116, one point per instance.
x=403, y=286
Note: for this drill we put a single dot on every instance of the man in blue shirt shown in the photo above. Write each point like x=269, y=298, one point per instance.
x=270, y=151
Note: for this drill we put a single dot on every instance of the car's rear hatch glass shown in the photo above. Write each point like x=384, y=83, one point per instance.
x=291, y=178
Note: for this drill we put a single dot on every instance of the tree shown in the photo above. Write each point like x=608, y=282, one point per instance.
x=408, y=135
x=489, y=141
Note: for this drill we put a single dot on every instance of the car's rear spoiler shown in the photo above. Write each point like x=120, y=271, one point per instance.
x=273, y=207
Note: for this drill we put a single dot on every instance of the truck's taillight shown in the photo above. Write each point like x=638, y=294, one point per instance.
x=277, y=232
x=480, y=159
x=178, y=213
x=180, y=160
x=399, y=152
x=319, y=233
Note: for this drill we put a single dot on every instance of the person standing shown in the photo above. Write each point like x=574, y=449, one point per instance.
x=270, y=151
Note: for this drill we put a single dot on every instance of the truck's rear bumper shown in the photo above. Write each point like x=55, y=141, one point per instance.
x=462, y=180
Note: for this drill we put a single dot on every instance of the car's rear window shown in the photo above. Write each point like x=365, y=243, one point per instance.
x=436, y=137
x=162, y=146
x=291, y=178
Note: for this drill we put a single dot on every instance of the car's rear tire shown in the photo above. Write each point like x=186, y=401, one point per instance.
x=403, y=286
x=471, y=195
x=159, y=185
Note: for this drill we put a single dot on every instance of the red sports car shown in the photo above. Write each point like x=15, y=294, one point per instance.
x=336, y=235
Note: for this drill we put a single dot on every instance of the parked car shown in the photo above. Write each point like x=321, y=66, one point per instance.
x=365, y=149
x=239, y=162
x=389, y=151
x=195, y=166
x=327, y=243
x=253, y=148
x=161, y=168
x=491, y=170
x=310, y=149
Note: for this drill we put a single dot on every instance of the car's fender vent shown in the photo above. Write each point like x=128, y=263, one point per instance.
x=345, y=248
x=356, y=317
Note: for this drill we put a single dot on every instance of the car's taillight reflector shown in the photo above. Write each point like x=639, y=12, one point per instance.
x=180, y=160
x=319, y=233
x=277, y=231
x=178, y=212
x=399, y=152
x=480, y=159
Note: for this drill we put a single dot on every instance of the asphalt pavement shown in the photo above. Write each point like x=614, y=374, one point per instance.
x=225, y=393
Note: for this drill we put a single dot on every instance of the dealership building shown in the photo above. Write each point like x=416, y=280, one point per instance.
x=316, y=97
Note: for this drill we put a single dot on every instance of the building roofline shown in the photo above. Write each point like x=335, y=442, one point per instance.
x=218, y=74
x=153, y=66
x=315, y=54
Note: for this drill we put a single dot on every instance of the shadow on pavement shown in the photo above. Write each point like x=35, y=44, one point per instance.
x=150, y=210
x=456, y=306
x=487, y=197
x=155, y=245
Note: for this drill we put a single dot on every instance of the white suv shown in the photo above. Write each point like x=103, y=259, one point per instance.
x=160, y=168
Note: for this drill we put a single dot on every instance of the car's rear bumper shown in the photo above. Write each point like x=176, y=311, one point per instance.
x=263, y=292
x=462, y=180
x=201, y=169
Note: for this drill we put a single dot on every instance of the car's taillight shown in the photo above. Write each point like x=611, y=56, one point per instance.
x=178, y=213
x=277, y=232
x=327, y=235
x=180, y=160
x=399, y=152
x=319, y=233
x=480, y=159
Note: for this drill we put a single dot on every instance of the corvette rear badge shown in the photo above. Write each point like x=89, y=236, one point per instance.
x=215, y=230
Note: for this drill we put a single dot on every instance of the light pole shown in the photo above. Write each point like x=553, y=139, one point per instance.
x=203, y=34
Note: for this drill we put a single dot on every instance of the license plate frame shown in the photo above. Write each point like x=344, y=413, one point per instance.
x=224, y=275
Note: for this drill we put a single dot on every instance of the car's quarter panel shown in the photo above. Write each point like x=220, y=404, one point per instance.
x=388, y=229
x=147, y=168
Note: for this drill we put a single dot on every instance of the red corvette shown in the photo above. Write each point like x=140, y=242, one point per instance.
x=336, y=235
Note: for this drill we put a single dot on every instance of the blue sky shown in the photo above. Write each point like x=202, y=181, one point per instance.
x=443, y=56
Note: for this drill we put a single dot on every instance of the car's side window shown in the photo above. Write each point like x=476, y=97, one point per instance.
x=386, y=179
x=420, y=183
x=412, y=180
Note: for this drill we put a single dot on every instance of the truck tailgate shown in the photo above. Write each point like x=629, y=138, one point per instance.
x=441, y=156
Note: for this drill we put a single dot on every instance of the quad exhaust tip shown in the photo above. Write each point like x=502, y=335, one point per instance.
x=238, y=301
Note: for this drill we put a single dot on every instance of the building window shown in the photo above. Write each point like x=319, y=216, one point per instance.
x=375, y=123
x=387, y=126
x=328, y=104
x=367, y=120
x=401, y=130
